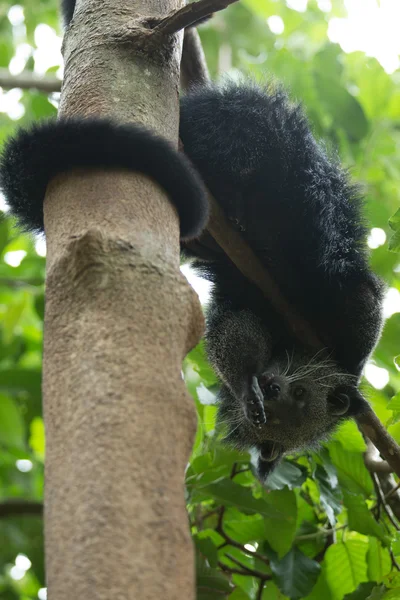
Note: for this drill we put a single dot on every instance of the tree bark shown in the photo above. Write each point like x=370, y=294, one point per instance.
x=119, y=319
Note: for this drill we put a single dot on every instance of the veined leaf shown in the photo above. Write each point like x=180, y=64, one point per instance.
x=346, y=567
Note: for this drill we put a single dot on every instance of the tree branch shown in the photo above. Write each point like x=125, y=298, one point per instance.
x=29, y=81
x=193, y=65
x=250, y=266
x=17, y=507
x=189, y=15
x=254, y=572
x=383, y=502
x=244, y=569
x=260, y=589
x=373, y=429
x=318, y=534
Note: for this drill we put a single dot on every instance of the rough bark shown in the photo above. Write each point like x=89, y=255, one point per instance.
x=119, y=319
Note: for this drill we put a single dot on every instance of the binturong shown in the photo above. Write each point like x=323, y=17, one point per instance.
x=294, y=404
x=296, y=208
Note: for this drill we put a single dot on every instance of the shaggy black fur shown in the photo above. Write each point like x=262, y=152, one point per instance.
x=295, y=207
x=67, y=11
x=32, y=157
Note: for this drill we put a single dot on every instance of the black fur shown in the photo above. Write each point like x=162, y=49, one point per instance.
x=32, y=157
x=67, y=11
x=295, y=207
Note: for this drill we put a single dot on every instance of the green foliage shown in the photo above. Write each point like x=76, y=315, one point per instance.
x=317, y=531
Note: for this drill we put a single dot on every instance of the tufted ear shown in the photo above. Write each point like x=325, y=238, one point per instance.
x=346, y=401
x=269, y=456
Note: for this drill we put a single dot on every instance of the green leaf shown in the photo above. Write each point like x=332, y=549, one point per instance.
x=379, y=561
x=392, y=580
x=208, y=549
x=272, y=592
x=226, y=492
x=394, y=242
x=346, y=567
x=37, y=437
x=11, y=424
x=395, y=546
x=321, y=589
x=4, y=227
x=39, y=306
x=346, y=111
x=40, y=105
x=351, y=470
x=394, y=403
x=280, y=534
x=360, y=518
x=12, y=316
x=330, y=495
x=394, y=221
x=21, y=380
x=296, y=574
x=197, y=360
x=286, y=474
x=375, y=88
x=350, y=437
x=238, y=594
x=363, y=592
x=211, y=581
x=244, y=529
x=389, y=595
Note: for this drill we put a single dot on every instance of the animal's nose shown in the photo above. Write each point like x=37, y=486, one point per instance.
x=269, y=385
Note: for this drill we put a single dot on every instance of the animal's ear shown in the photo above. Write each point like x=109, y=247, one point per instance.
x=270, y=454
x=346, y=401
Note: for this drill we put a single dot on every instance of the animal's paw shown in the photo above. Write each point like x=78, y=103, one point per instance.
x=253, y=404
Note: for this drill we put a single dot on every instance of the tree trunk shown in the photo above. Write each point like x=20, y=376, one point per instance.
x=119, y=319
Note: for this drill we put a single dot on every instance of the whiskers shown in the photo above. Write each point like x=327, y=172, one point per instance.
x=235, y=418
x=315, y=368
x=312, y=366
x=231, y=422
x=289, y=363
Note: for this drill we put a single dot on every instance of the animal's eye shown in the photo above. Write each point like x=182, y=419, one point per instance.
x=299, y=391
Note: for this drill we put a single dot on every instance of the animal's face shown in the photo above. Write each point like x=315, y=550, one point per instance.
x=304, y=399
x=301, y=400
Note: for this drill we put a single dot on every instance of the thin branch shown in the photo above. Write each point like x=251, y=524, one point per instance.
x=384, y=504
x=318, y=534
x=193, y=65
x=244, y=571
x=227, y=569
x=29, y=81
x=21, y=283
x=194, y=70
x=373, y=429
x=244, y=470
x=260, y=589
x=392, y=492
x=189, y=15
x=377, y=466
x=231, y=542
x=252, y=268
x=394, y=561
x=17, y=507
x=255, y=572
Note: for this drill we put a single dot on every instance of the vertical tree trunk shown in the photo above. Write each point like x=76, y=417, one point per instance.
x=119, y=319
